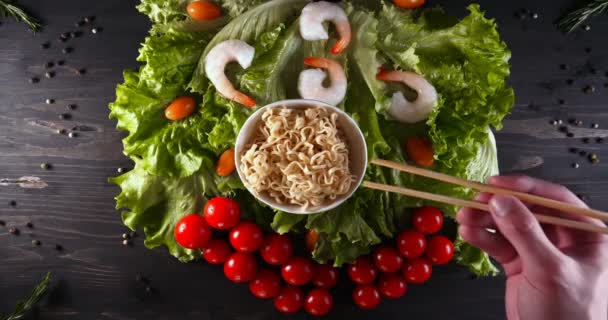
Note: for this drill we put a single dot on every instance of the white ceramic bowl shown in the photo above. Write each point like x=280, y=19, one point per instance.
x=355, y=140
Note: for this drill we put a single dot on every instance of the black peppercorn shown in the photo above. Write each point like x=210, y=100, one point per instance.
x=49, y=74
x=588, y=49
x=149, y=289
x=121, y=170
x=586, y=27
x=72, y=135
x=14, y=231
x=595, y=125
x=36, y=242
x=29, y=224
x=535, y=16
x=2, y=223
x=126, y=236
x=593, y=71
x=49, y=65
x=49, y=101
x=45, y=45
x=71, y=106
x=563, y=129
x=569, y=81
x=45, y=166
x=65, y=35
x=61, y=131
x=79, y=24
x=133, y=234
x=34, y=80
x=559, y=121
x=575, y=165
x=563, y=66
x=578, y=123
x=570, y=135
x=562, y=101
x=80, y=71
x=67, y=50
x=599, y=140
x=585, y=140
x=582, y=153
x=573, y=150
x=12, y=203
x=126, y=242
x=58, y=247
x=96, y=30
x=60, y=62
x=89, y=19
x=65, y=116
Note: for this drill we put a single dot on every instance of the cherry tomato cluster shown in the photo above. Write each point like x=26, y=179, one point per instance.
x=385, y=273
x=410, y=262
x=245, y=238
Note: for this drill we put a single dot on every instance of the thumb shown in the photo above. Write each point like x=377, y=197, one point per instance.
x=519, y=226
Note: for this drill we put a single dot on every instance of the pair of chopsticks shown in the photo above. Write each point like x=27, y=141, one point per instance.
x=528, y=198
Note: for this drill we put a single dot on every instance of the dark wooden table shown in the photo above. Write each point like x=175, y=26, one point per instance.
x=72, y=204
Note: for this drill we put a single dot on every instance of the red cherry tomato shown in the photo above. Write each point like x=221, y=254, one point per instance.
x=366, y=296
x=318, y=302
x=180, y=108
x=297, y=271
x=411, y=244
x=203, y=10
x=276, y=249
x=240, y=267
x=312, y=236
x=324, y=276
x=440, y=250
x=222, y=213
x=392, y=285
x=409, y=4
x=216, y=251
x=428, y=220
x=417, y=271
x=266, y=284
x=246, y=237
x=192, y=232
x=387, y=259
x=362, y=271
x=289, y=300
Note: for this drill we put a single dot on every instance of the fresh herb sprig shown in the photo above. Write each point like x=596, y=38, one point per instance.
x=24, y=306
x=575, y=18
x=7, y=9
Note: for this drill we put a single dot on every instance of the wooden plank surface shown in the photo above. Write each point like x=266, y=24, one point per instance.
x=72, y=204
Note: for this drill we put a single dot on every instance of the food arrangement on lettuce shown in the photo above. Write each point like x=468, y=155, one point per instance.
x=424, y=88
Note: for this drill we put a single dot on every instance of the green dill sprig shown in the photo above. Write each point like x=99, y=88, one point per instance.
x=575, y=18
x=10, y=10
x=24, y=306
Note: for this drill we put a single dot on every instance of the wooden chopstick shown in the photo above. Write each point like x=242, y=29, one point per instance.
x=529, y=198
x=481, y=206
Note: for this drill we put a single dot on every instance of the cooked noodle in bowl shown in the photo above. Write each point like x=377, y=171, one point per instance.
x=300, y=158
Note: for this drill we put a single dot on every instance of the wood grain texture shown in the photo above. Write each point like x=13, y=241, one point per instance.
x=95, y=274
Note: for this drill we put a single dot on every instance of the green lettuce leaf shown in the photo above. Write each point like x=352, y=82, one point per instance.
x=248, y=27
x=237, y=7
x=163, y=11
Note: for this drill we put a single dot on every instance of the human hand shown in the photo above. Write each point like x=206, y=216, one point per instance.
x=552, y=272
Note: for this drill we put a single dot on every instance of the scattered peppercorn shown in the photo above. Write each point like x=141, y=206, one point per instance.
x=34, y=80
x=2, y=223
x=49, y=64
x=149, y=289
x=578, y=123
x=60, y=62
x=14, y=231
x=563, y=66
x=61, y=131
x=599, y=140
x=535, y=16
x=49, y=74
x=595, y=125
x=89, y=19
x=65, y=116
x=12, y=203
x=71, y=106
x=575, y=165
x=562, y=101
x=593, y=70
x=45, y=45
x=588, y=89
x=582, y=153
x=67, y=50
x=569, y=81
x=65, y=35
x=36, y=242
x=80, y=71
x=570, y=135
x=126, y=236
x=586, y=27
x=45, y=166
x=585, y=140
x=553, y=122
x=96, y=30
x=559, y=121
x=126, y=242
x=133, y=234
x=79, y=24
x=49, y=101
x=563, y=129
x=573, y=150
x=58, y=247
x=72, y=135
x=120, y=170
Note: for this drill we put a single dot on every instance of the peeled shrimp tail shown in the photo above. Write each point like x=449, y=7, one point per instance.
x=406, y=111
x=215, y=65
x=315, y=14
x=310, y=83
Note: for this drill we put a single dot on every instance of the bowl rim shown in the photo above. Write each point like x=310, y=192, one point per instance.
x=242, y=140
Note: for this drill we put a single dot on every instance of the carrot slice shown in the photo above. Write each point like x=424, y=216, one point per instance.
x=420, y=151
x=225, y=165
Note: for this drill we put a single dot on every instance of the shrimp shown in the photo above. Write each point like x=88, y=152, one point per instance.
x=310, y=84
x=216, y=61
x=410, y=111
x=311, y=24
